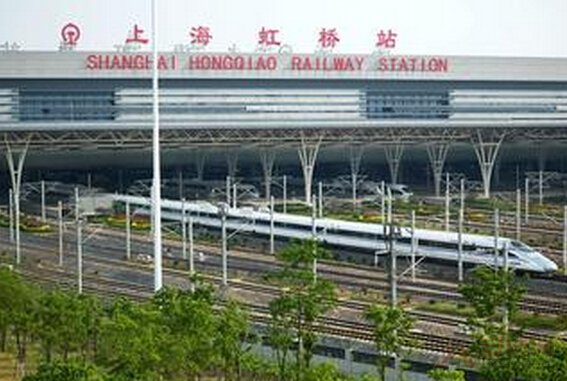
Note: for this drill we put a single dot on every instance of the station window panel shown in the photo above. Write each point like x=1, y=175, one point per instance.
x=406, y=105
x=66, y=105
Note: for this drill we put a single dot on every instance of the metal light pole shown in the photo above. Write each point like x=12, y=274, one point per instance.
x=79, y=244
x=60, y=222
x=156, y=194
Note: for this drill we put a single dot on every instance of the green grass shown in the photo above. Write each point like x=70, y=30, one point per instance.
x=522, y=319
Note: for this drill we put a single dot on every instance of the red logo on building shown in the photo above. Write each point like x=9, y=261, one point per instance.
x=201, y=35
x=328, y=38
x=267, y=37
x=386, y=40
x=136, y=36
x=70, y=34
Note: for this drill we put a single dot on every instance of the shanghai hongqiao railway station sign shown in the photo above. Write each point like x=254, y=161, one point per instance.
x=195, y=58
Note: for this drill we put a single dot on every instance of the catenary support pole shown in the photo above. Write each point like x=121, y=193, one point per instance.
x=447, y=200
x=284, y=185
x=413, y=244
x=60, y=223
x=191, y=247
x=565, y=240
x=540, y=187
x=128, y=233
x=228, y=190
x=506, y=310
x=156, y=188
x=314, y=234
x=180, y=183
x=234, y=196
x=320, y=199
x=11, y=213
x=496, y=235
x=79, y=243
x=460, y=245
x=272, y=240
x=224, y=248
x=527, y=201
x=518, y=213
x=183, y=229
x=462, y=195
x=43, y=216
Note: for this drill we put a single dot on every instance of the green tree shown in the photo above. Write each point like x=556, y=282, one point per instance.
x=520, y=361
x=63, y=323
x=131, y=341
x=391, y=333
x=231, y=339
x=66, y=371
x=304, y=299
x=446, y=375
x=18, y=300
x=188, y=341
x=493, y=294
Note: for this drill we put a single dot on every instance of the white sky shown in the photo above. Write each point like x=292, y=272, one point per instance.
x=444, y=27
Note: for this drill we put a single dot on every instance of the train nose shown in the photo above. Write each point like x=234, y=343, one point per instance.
x=550, y=266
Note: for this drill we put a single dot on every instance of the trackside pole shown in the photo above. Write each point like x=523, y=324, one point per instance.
x=413, y=245
x=284, y=194
x=234, y=196
x=191, y=250
x=460, y=244
x=128, y=232
x=496, y=235
x=183, y=229
x=60, y=223
x=228, y=190
x=540, y=187
x=272, y=240
x=527, y=201
x=11, y=212
x=223, y=247
x=506, y=311
x=447, y=201
x=314, y=234
x=565, y=240
x=79, y=244
x=518, y=213
x=43, y=218
x=320, y=199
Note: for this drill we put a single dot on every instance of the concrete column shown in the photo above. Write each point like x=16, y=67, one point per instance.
x=486, y=149
x=267, y=159
x=394, y=155
x=308, y=151
x=437, y=153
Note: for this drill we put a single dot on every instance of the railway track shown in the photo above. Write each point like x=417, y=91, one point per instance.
x=422, y=288
x=341, y=328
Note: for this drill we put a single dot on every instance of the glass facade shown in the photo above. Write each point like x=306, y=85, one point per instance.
x=406, y=105
x=71, y=105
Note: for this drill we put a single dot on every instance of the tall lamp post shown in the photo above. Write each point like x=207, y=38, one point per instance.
x=156, y=187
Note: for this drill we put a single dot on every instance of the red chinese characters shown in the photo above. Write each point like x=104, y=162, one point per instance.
x=267, y=37
x=136, y=36
x=200, y=35
x=386, y=40
x=328, y=38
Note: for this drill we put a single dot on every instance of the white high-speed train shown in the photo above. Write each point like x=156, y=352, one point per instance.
x=359, y=236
